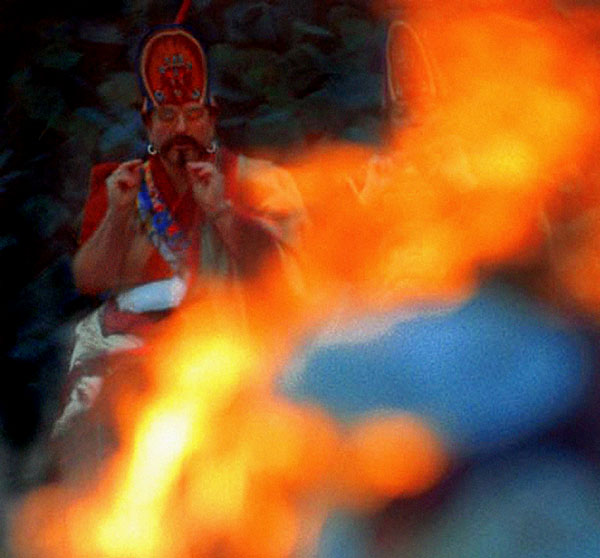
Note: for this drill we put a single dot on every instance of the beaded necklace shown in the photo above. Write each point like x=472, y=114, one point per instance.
x=164, y=232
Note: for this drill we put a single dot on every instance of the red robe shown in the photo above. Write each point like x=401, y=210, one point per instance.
x=249, y=244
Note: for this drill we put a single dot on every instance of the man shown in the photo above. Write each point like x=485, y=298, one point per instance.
x=152, y=229
x=143, y=218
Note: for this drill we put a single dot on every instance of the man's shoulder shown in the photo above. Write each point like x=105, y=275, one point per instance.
x=268, y=186
x=97, y=200
x=249, y=165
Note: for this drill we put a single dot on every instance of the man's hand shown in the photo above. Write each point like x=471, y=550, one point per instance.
x=208, y=187
x=123, y=185
x=115, y=255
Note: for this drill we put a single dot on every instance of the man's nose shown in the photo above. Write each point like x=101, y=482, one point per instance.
x=180, y=123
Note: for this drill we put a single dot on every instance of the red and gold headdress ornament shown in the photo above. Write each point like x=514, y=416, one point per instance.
x=172, y=67
x=410, y=78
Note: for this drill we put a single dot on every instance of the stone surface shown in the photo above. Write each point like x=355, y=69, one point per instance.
x=273, y=128
x=250, y=22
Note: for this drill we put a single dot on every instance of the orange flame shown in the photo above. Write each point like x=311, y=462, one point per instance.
x=210, y=461
x=216, y=464
x=502, y=110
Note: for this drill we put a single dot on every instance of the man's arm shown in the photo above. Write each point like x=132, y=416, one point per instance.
x=268, y=197
x=264, y=223
x=101, y=263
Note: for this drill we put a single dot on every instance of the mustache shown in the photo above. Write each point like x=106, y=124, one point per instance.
x=181, y=139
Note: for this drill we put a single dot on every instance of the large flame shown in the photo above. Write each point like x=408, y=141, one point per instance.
x=210, y=462
x=502, y=110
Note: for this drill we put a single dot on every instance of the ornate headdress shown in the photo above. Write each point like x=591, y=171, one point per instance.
x=410, y=75
x=172, y=66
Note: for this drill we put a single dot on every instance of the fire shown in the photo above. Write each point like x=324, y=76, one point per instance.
x=217, y=464
x=375, y=449
x=501, y=110
x=211, y=462
x=573, y=246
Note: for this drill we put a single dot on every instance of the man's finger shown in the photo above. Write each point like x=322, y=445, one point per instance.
x=131, y=165
x=204, y=173
x=202, y=176
x=125, y=185
x=128, y=175
x=127, y=182
x=201, y=167
x=193, y=165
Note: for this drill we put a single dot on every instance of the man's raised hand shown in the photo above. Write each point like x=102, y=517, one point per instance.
x=207, y=186
x=123, y=185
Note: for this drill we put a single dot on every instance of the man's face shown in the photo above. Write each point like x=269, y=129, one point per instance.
x=181, y=133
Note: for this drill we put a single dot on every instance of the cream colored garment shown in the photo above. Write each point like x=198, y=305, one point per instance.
x=270, y=194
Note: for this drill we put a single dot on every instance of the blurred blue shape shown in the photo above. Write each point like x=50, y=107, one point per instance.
x=484, y=375
x=536, y=504
x=345, y=535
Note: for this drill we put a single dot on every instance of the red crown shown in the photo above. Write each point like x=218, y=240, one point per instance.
x=409, y=70
x=172, y=69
